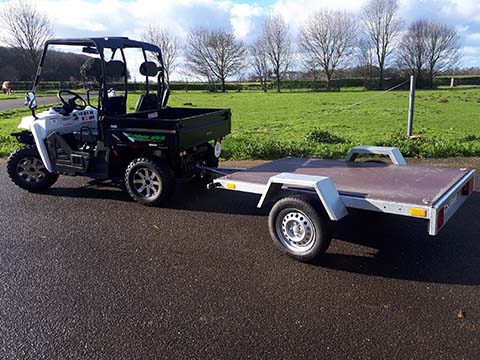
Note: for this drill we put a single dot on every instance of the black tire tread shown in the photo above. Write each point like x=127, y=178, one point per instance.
x=314, y=209
x=166, y=174
x=29, y=150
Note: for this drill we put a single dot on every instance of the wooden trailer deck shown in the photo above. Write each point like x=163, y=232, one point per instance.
x=384, y=182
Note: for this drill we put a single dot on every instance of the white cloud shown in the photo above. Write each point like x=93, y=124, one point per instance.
x=83, y=18
x=243, y=18
x=296, y=11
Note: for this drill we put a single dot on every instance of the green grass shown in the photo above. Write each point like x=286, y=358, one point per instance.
x=272, y=125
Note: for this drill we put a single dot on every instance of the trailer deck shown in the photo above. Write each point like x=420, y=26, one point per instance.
x=384, y=182
x=433, y=194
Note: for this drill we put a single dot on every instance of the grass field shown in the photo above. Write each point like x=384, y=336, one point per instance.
x=271, y=125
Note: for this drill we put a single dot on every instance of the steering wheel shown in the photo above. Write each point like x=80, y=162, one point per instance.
x=72, y=102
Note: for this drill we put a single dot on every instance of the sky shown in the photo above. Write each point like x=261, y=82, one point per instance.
x=81, y=18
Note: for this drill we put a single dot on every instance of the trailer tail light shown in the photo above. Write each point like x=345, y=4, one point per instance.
x=418, y=212
x=468, y=188
x=441, y=218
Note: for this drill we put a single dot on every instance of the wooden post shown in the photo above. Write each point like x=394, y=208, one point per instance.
x=452, y=82
x=411, y=106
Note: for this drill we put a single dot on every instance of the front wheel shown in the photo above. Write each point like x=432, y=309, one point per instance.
x=25, y=168
x=299, y=227
x=149, y=181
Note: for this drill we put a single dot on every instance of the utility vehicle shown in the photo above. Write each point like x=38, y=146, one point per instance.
x=148, y=148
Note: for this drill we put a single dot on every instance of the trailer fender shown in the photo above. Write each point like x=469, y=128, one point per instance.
x=323, y=187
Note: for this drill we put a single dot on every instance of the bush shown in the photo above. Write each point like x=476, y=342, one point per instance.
x=320, y=136
x=424, y=146
x=459, y=80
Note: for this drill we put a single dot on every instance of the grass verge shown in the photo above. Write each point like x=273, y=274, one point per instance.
x=271, y=125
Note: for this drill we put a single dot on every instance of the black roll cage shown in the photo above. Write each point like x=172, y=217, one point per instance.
x=113, y=43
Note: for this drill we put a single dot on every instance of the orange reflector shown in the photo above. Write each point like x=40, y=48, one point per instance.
x=418, y=212
x=231, y=186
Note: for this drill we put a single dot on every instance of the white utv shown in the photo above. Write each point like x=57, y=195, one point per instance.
x=147, y=149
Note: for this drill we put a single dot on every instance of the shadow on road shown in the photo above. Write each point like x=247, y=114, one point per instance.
x=384, y=245
x=401, y=248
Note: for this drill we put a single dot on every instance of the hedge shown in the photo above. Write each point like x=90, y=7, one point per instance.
x=318, y=85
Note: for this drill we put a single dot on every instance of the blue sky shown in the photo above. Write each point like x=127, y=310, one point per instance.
x=243, y=17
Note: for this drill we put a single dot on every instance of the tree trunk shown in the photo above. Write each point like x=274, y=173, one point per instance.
x=329, y=77
x=223, y=85
x=278, y=80
x=381, y=77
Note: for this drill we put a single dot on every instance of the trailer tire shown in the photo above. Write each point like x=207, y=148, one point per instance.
x=149, y=181
x=26, y=169
x=299, y=227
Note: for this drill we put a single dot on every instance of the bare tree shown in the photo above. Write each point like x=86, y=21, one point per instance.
x=26, y=29
x=278, y=45
x=442, y=49
x=428, y=48
x=328, y=39
x=259, y=62
x=214, y=54
x=382, y=25
x=412, y=48
x=366, y=58
x=168, y=43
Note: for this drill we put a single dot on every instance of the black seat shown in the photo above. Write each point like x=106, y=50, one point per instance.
x=115, y=105
x=146, y=102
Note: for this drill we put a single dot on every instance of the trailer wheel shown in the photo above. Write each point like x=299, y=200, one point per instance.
x=299, y=227
x=149, y=181
x=25, y=168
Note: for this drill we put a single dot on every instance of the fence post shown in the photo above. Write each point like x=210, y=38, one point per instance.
x=411, y=106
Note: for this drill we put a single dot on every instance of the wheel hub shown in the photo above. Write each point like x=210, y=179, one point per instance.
x=31, y=169
x=146, y=183
x=296, y=231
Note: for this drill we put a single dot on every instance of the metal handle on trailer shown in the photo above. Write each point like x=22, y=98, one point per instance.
x=394, y=153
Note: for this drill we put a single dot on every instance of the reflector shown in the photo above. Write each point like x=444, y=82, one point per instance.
x=418, y=212
x=441, y=218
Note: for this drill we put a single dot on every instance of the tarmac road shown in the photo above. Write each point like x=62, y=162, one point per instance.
x=9, y=104
x=85, y=273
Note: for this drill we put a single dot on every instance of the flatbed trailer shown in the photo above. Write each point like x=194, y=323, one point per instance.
x=314, y=192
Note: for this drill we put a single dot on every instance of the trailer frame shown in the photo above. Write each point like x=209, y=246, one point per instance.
x=336, y=203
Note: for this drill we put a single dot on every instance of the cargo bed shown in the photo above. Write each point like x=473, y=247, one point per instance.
x=423, y=192
x=178, y=128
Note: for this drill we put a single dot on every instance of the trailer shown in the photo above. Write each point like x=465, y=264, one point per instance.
x=309, y=194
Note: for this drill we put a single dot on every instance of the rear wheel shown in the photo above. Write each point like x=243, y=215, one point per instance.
x=149, y=181
x=25, y=168
x=299, y=227
x=210, y=159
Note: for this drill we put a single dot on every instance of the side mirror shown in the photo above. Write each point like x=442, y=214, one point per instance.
x=31, y=102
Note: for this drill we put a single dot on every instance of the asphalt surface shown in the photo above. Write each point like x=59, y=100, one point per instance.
x=85, y=273
x=10, y=104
